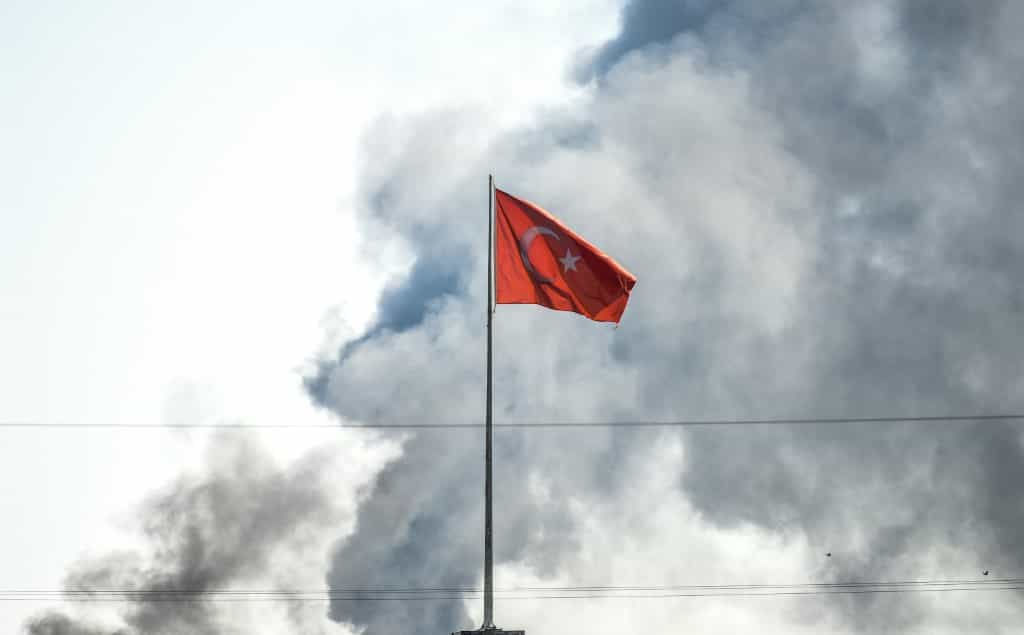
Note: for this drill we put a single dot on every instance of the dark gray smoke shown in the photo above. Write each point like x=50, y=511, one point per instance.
x=821, y=201
x=60, y=624
x=231, y=525
x=912, y=303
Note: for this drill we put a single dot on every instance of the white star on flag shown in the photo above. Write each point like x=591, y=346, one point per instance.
x=569, y=261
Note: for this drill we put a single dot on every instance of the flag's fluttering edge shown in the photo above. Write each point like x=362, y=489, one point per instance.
x=538, y=260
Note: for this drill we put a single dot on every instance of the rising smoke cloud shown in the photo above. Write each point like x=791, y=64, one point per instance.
x=821, y=203
x=242, y=520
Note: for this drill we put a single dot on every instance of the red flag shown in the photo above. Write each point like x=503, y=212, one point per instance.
x=538, y=260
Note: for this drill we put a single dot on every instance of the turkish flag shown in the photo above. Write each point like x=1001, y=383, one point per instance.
x=538, y=260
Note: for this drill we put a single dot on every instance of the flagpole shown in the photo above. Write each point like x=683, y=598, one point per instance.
x=488, y=549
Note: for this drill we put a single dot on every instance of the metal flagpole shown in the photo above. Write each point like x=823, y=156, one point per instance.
x=488, y=627
x=488, y=550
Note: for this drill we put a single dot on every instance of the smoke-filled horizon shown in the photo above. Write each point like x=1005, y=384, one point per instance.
x=242, y=521
x=820, y=203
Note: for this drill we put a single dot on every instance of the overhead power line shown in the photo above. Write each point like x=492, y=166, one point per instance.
x=652, y=423
x=382, y=594
x=514, y=589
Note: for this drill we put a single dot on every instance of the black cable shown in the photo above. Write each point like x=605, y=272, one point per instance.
x=925, y=582
x=509, y=593
x=391, y=598
x=537, y=424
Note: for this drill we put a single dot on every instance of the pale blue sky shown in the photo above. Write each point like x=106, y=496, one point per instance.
x=175, y=183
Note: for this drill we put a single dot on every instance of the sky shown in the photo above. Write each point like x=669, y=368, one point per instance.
x=217, y=213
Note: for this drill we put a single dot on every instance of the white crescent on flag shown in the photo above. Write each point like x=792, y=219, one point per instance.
x=524, y=249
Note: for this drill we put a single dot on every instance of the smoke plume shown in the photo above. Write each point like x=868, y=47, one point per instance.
x=821, y=203
x=243, y=521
